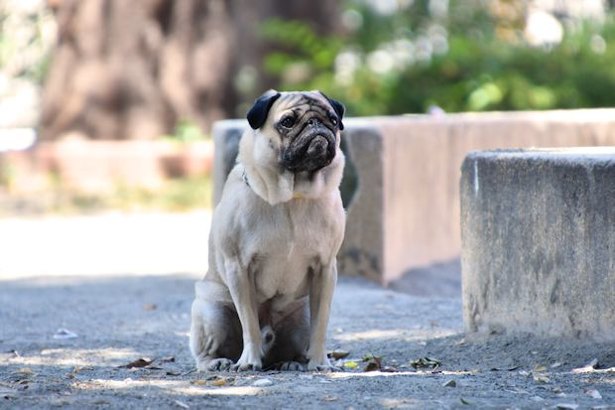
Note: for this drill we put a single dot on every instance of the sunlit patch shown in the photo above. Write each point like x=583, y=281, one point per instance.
x=353, y=375
x=76, y=357
x=169, y=386
x=408, y=335
x=399, y=403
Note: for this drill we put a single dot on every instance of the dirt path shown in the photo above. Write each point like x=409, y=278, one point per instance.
x=111, y=321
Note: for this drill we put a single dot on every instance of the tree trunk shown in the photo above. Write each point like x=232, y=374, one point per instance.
x=131, y=69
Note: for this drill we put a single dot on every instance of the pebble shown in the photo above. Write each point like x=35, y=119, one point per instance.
x=262, y=383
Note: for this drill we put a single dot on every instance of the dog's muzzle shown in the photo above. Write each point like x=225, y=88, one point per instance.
x=313, y=149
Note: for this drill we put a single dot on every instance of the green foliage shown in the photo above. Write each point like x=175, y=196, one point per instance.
x=413, y=59
x=186, y=131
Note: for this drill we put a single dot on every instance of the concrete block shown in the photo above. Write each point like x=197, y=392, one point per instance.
x=538, y=229
x=404, y=208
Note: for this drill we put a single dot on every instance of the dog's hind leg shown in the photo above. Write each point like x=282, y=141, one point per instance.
x=215, y=335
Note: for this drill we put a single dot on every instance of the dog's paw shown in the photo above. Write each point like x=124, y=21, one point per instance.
x=292, y=367
x=246, y=367
x=220, y=364
x=321, y=366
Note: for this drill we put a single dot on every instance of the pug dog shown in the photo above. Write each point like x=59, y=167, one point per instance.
x=265, y=300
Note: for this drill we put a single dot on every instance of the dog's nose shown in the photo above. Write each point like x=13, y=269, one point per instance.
x=318, y=146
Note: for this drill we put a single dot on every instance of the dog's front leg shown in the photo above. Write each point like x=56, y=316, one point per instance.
x=241, y=289
x=321, y=295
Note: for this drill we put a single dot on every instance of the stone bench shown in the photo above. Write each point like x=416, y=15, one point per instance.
x=538, y=229
x=402, y=190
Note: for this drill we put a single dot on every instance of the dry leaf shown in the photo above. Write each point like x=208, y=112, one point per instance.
x=566, y=406
x=219, y=382
x=351, y=365
x=338, y=354
x=425, y=362
x=373, y=364
x=199, y=382
x=141, y=362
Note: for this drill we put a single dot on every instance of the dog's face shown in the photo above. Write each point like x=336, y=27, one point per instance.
x=302, y=128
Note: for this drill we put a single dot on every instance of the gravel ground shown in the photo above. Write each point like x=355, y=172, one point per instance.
x=76, y=342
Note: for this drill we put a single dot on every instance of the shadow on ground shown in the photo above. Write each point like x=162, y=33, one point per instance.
x=118, y=320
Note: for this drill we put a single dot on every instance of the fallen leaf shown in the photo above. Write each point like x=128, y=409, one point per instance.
x=199, y=382
x=373, y=364
x=566, y=406
x=425, y=362
x=173, y=373
x=338, y=354
x=593, y=393
x=464, y=401
x=219, y=382
x=141, y=362
x=351, y=365
x=540, y=368
x=506, y=369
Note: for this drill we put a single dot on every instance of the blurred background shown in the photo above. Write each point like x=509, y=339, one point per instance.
x=109, y=104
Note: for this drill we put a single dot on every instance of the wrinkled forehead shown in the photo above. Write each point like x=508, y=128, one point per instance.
x=300, y=103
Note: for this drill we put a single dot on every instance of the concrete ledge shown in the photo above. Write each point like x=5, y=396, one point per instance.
x=100, y=166
x=538, y=231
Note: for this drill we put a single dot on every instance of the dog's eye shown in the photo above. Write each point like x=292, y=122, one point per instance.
x=287, y=122
x=333, y=119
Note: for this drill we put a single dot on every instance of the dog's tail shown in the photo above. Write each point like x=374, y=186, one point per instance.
x=267, y=339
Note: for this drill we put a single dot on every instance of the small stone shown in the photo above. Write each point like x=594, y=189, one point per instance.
x=262, y=383
x=593, y=393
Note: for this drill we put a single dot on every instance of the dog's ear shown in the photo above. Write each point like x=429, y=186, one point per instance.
x=258, y=113
x=338, y=107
